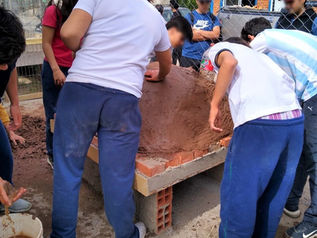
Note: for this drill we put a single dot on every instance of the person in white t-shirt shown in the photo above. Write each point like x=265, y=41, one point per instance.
x=267, y=139
x=112, y=42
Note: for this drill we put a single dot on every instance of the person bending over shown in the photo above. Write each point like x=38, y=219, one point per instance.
x=267, y=139
x=12, y=45
x=295, y=52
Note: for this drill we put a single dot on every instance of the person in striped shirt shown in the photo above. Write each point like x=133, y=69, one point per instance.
x=296, y=53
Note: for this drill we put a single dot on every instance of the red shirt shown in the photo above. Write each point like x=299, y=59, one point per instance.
x=63, y=55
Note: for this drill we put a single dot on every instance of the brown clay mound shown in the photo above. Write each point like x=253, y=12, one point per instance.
x=175, y=114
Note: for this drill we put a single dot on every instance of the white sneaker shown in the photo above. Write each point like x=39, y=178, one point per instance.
x=292, y=214
x=142, y=229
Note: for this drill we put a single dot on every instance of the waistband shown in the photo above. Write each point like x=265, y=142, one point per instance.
x=266, y=122
x=284, y=115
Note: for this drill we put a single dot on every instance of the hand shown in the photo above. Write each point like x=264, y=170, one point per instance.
x=214, y=117
x=5, y=197
x=16, y=116
x=16, y=138
x=59, y=77
x=152, y=75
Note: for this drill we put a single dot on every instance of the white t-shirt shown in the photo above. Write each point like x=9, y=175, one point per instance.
x=115, y=50
x=259, y=86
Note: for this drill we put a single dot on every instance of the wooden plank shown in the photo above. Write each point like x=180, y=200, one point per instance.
x=34, y=41
x=30, y=96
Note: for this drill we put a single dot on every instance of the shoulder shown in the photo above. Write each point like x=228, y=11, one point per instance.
x=50, y=10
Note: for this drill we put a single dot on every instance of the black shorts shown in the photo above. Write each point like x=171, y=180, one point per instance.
x=189, y=62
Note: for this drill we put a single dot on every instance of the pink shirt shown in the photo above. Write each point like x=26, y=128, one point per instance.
x=63, y=55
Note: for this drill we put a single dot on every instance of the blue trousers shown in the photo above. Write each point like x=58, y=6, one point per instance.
x=259, y=172
x=50, y=96
x=308, y=164
x=6, y=159
x=83, y=110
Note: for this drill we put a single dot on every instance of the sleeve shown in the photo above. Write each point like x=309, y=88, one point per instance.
x=259, y=43
x=50, y=17
x=164, y=42
x=4, y=117
x=215, y=51
x=314, y=28
x=217, y=22
x=87, y=6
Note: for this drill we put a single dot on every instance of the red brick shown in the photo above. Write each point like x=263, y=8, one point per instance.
x=199, y=153
x=225, y=141
x=150, y=166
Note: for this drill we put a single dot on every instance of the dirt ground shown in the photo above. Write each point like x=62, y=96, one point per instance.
x=195, y=203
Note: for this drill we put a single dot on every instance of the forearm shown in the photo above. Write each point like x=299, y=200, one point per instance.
x=49, y=54
x=210, y=35
x=165, y=63
x=12, y=88
x=197, y=36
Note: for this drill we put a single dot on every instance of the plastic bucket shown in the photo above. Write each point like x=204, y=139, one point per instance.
x=23, y=224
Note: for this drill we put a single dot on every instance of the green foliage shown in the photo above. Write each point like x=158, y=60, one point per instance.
x=190, y=4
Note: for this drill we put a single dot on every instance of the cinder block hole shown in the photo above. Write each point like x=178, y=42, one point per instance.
x=160, y=213
x=159, y=220
x=160, y=228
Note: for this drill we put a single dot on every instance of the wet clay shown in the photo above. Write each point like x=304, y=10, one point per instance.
x=175, y=113
x=33, y=130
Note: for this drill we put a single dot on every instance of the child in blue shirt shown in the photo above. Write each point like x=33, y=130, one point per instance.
x=206, y=29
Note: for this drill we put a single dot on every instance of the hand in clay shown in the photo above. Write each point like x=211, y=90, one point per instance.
x=8, y=194
x=152, y=76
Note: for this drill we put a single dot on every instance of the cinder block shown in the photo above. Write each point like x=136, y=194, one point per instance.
x=199, y=153
x=156, y=210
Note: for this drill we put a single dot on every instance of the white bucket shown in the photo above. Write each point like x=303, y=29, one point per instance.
x=24, y=224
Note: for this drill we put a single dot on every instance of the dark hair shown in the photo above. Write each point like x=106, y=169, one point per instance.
x=182, y=25
x=237, y=40
x=160, y=8
x=174, y=4
x=64, y=11
x=254, y=27
x=12, y=40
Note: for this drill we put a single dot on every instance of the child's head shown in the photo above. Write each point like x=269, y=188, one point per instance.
x=179, y=30
x=237, y=40
x=253, y=27
x=12, y=41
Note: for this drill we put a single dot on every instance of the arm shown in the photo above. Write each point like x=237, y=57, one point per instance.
x=227, y=66
x=12, y=91
x=75, y=28
x=210, y=35
x=47, y=39
x=165, y=62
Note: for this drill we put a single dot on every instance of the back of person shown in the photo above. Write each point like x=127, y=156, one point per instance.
x=295, y=51
x=259, y=87
x=116, y=46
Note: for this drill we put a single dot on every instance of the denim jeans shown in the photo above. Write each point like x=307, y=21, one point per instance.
x=6, y=159
x=258, y=176
x=308, y=164
x=50, y=96
x=82, y=110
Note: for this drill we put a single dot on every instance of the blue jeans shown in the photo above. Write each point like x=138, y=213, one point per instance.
x=6, y=159
x=50, y=96
x=308, y=164
x=83, y=110
x=259, y=173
